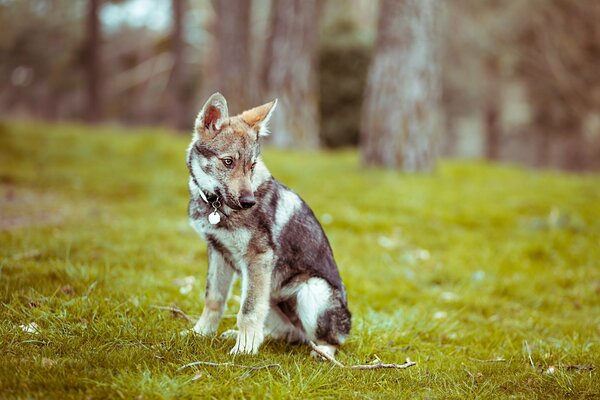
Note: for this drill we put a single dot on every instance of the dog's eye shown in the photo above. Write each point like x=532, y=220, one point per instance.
x=253, y=165
x=228, y=162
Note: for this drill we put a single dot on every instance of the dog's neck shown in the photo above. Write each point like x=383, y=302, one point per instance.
x=201, y=195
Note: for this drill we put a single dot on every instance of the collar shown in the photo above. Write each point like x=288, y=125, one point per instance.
x=212, y=199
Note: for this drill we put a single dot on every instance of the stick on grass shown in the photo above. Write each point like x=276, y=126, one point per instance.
x=379, y=365
x=175, y=311
x=228, y=364
x=493, y=360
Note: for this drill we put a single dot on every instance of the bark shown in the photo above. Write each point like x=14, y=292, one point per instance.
x=492, y=110
x=92, y=61
x=542, y=148
x=290, y=73
x=233, y=63
x=401, y=111
x=574, y=154
x=176, y=103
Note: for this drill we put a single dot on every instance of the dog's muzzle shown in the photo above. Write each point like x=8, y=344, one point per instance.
x=247, y=200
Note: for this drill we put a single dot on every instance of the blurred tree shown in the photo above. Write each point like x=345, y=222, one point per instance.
x=478, y=63
x=290, y=73
x=176, y=106
x=39, y=58
x=560, y=61
x=401, y=113
x=231, y=51
x=492, y=108
x=93, y=61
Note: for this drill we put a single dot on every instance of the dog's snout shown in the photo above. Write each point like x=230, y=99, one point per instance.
x=247, y=200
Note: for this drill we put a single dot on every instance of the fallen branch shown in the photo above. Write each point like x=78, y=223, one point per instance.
x=552, y=369
x=228, y=364
x=325, y=355
x=175, y=311
x=494, y=360
x=407, y=364
x=316, y=349
x=578, y=367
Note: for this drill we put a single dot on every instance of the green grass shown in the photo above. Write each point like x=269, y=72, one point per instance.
x=474, y=261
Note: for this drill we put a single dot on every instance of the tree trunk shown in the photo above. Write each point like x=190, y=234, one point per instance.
x=492, y=110
x=290, y=73
x=542, y=148
x=233, y=62
x=574, y=154
x=92, y=62
x=176, y=104
x=401, y=109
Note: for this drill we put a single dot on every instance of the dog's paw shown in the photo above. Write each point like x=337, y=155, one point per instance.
x=247, y=341
x=204, y=329
x=229, y=334
x=325, y=349
x=187, y=332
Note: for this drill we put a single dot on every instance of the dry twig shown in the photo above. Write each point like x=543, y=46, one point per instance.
x=407, y=364
x=325, y=355
x=493, y=360
x=577, y=367
x=175, y=311
x=229, y=364
x=379, y=365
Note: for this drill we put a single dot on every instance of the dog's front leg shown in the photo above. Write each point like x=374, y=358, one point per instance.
x=256, y=289
x=218, y=286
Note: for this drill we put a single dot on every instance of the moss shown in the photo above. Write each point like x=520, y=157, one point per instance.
x=474, y=261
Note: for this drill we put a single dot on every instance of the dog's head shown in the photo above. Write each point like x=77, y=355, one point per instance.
x=223, y=157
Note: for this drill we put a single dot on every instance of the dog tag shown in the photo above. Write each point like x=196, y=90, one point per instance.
x=214, y=218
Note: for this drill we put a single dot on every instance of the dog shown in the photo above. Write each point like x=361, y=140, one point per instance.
x=257, y=228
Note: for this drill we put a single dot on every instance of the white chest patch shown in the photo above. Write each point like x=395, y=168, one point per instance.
x=235, y=241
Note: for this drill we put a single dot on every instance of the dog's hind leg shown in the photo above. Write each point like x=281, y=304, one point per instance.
x=283, y=324
x=323, y=314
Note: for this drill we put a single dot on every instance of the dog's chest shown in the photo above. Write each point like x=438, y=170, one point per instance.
x=234, y=241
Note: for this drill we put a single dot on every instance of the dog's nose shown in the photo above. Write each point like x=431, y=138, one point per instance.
x=247, y=201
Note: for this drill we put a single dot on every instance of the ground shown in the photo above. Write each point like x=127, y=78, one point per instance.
x=469, y=263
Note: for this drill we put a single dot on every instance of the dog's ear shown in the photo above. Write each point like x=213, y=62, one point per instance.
x=211, y=116
x=258, y=118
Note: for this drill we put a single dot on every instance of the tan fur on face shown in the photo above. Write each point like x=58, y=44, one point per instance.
x=236, y=138
x=238, y=141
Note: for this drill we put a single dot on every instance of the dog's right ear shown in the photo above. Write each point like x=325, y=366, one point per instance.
x=211, y=116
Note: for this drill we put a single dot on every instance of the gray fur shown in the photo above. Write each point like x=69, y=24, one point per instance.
x=277, y=246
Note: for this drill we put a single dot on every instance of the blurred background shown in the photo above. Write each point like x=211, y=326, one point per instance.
x=404, y=81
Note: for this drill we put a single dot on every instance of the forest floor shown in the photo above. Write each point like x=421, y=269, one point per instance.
x=486, y=276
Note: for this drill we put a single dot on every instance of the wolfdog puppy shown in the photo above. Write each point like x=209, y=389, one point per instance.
x=257, y=228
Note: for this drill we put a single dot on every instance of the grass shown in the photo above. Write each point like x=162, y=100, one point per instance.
x=472, y=262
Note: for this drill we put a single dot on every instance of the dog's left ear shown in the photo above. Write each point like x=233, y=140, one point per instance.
x=258, y=118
